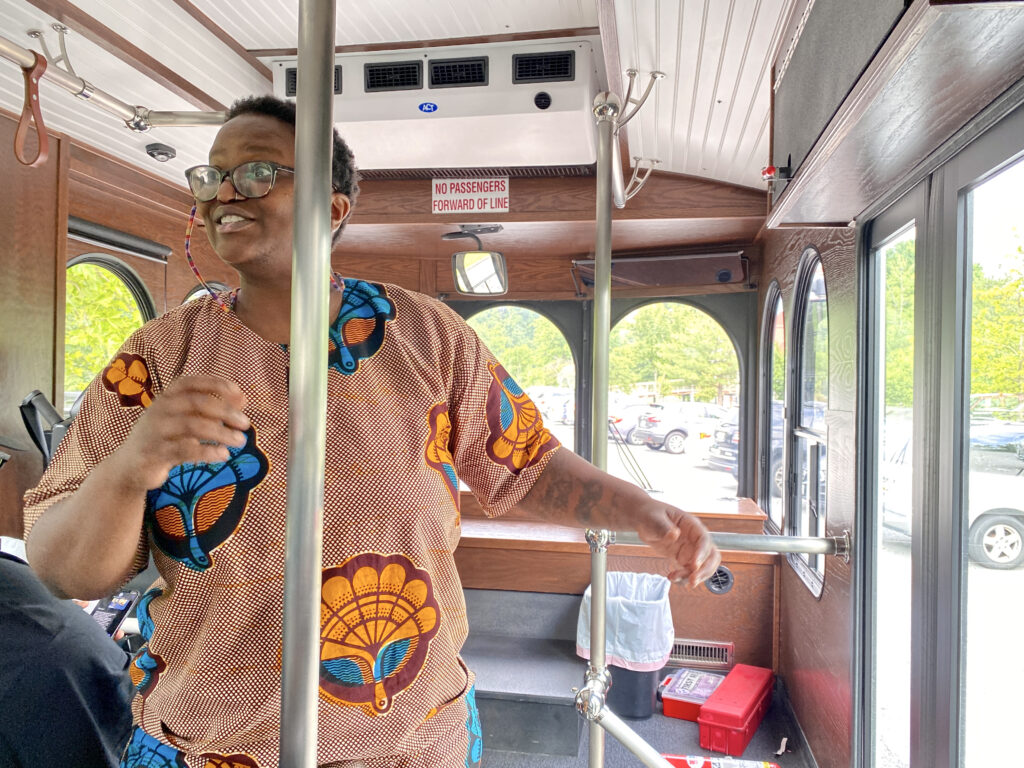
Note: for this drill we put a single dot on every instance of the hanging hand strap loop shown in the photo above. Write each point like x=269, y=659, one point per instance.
x=31, y=112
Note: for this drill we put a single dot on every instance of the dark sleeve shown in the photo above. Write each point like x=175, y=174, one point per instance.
x=65, y=697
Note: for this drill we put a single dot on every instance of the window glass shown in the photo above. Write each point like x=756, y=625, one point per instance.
x=537, y=356
x=673, y=405
x=993, y=515
x=810, y=467
x=891, y=641
x=773, y=441
x=100, y=312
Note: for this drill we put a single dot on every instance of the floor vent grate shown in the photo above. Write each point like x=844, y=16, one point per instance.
x=701, y=654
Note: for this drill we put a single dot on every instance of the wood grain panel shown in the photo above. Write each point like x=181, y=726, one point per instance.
x=936, y=71
x=560, y=563
x=564, y=199
x=747, y=517
x=33, y=236
x=815, y=635
x=108, y=192
x=553, y=240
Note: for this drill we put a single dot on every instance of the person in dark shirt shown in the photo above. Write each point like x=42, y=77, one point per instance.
x=65, y=691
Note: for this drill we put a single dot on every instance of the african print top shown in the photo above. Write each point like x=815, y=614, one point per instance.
x=415, y=403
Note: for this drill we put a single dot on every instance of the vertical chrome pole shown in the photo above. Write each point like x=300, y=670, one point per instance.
x=606, y=110
x=307, y=393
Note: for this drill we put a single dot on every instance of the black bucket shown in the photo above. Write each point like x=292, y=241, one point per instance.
x=632, y=694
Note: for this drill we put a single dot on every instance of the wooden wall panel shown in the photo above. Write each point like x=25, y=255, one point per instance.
x=816, y=634
x=105, y=191
x=394, y=269
x=30, y=206
x=743, y=616
x=746, y=517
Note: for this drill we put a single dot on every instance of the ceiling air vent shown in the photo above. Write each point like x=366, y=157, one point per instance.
x=543, y=67
x=291, y=81
x=455, y=73
x=393, y=76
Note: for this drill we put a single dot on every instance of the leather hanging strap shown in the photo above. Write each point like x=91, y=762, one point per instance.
x=31, y=112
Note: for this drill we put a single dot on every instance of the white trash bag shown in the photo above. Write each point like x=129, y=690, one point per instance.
x=638, y=625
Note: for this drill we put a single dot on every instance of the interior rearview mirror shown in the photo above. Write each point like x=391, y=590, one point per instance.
x=480, y=273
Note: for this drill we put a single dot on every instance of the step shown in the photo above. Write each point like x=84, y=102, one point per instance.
x=524, y=692
x=522, y=614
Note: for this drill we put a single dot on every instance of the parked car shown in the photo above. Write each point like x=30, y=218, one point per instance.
x=995, y=537
x=673, y=427
x=725, y=448
x=624, y=419
x=556, y=405
x=724, y=451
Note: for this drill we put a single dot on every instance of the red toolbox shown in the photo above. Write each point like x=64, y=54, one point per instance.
x=732, y=713
x=686, y=690
x=699, y=761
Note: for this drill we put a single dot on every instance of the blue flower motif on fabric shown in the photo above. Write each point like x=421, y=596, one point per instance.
x=146, y=668
x=201, y=505
x=358, y=333
x=476, y=735
x=146, y=752
x=146, y=625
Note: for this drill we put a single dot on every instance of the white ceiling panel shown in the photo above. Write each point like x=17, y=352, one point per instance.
x=263, y=24
x=85, y=122
x=709, y=116
x=173, y=37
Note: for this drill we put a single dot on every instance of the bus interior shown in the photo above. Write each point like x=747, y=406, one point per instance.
x=816, y=313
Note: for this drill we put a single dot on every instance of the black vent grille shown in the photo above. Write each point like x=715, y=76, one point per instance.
x=291, y=81
x=393, y=76
x=543, y=67
x=457, y=73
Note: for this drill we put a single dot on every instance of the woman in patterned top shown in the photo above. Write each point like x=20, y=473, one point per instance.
x=180, y=451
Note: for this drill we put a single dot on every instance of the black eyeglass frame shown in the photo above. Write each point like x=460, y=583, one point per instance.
x=229, y=174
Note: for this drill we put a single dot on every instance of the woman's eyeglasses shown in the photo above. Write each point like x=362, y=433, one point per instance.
x=250, y=180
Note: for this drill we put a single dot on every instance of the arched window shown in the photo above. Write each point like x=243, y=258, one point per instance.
x=809, y=463
x=535, y=353
x=770, y=461
x=673, y=405
x=104, y=302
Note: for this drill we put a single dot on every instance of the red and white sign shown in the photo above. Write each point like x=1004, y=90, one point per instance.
x=488, y=195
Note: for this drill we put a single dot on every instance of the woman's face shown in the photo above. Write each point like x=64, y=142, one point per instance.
x=252, y=234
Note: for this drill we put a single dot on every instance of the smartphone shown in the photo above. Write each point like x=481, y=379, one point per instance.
x=110, y=612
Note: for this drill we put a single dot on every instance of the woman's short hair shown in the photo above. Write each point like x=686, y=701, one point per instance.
x=344, y=175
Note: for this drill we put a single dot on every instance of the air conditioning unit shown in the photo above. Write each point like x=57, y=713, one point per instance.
x=496, y=105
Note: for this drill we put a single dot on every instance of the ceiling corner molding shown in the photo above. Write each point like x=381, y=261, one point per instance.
x=225, y=38
x=101, y=35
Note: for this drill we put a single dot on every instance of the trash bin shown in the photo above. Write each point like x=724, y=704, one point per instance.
x=638, y=638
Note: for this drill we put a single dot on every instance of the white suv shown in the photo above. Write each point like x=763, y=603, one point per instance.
x=995, y=483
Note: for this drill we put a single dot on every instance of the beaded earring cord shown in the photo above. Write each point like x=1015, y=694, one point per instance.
x=195, y=270
x=192, y=264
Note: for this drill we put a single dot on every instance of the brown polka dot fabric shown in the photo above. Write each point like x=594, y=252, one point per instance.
x=415, y=404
